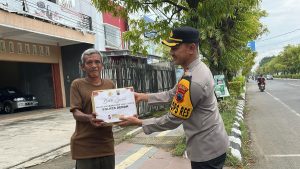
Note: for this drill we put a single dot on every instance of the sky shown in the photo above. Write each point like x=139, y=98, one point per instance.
x=283, y=23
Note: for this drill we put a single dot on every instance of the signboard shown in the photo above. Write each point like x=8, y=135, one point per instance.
x=251, y=45
x=66, y=3
x=8, y=5
x=61, y=14
x=109, y=105
x=221, y=89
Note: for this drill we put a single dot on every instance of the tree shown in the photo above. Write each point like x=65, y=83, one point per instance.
x=225, y=26
x=265, y=60
x=287, y=61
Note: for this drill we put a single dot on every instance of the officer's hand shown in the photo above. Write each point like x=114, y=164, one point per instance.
x=140, y=97
x=129, y=121
x=97, y=122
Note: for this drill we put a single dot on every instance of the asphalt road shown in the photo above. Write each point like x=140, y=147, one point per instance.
x=274, y=123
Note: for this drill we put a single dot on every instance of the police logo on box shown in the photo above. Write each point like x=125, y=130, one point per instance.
x=181, y=90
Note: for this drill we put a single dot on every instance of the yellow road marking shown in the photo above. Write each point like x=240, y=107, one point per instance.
x=133, y=158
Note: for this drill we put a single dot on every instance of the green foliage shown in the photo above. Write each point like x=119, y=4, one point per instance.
x=232, y=161
x=291, y=76
x=235, y=88
x=248, y=64
x=246, y=145
x=227, y=109
x=225, y=27
x=180, y=147
x=228, y=104
x=296, y=76
x=265, y=60
x=241, y=79
x=286, y=62
x=164, y=50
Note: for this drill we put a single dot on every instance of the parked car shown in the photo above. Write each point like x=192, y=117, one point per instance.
x=12, y=99
x=269, y=77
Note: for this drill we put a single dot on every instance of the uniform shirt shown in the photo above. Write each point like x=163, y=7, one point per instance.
x=87, y=140
x=204, y=129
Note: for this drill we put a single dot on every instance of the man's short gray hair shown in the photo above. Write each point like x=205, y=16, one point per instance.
x=90, y=52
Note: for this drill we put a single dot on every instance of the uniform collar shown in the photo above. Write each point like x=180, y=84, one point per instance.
x=192, y=65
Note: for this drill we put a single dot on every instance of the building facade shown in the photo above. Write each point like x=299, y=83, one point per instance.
x=41, y=42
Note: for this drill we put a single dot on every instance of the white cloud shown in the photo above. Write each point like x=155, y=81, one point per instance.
x=283, y=16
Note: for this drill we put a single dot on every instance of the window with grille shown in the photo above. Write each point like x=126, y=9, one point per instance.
x=112, y=36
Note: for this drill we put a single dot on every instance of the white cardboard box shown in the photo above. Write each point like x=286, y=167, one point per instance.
x=110, y=104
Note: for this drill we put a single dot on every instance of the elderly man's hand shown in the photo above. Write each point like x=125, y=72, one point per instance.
x=130, y=121
x=97, y=122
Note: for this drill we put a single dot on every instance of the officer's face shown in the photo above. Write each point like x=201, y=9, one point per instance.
x=182, y=54
x=92, y=65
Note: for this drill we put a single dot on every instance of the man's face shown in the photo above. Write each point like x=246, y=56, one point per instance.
x=180, y=54
x=92, y=65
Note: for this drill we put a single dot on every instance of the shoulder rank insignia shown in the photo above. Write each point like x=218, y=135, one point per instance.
x=181, y=106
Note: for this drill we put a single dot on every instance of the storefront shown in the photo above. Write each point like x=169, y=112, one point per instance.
x=33, y=69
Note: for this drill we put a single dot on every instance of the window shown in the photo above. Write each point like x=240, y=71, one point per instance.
x=20, y=48
x=11, y=47
x=47, y=51
x=34, y=50
x=112, y=36
x=27, y=49
x=41, y=50
x=2, y=46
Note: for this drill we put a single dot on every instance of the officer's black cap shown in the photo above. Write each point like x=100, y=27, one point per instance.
x=180, y=35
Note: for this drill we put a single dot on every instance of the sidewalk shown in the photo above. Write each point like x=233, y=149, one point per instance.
x=44, y=135
x=25, y=137
x=135, y=156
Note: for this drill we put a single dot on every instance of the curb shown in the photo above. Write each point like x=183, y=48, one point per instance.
x=52, y=154
x=235, y=138
x=134, y=132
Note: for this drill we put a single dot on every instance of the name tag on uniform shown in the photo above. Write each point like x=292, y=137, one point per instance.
x=181, y=106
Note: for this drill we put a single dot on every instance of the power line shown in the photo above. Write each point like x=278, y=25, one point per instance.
x=279, y=35
x=295, y=38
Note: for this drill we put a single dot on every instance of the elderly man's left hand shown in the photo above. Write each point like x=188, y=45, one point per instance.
x=97, y=122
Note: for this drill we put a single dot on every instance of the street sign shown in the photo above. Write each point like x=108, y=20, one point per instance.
x=251, y=45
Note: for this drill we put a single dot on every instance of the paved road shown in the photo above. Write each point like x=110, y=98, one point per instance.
x=274, y=122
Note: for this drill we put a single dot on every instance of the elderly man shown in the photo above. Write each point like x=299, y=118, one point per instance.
x=193, y=104
x=92, y=144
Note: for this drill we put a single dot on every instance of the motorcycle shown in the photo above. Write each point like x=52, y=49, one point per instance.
x=261, y=87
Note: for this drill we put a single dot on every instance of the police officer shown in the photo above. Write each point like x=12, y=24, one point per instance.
x=193, y=104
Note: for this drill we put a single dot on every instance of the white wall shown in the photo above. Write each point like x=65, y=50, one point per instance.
x=86, y=7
